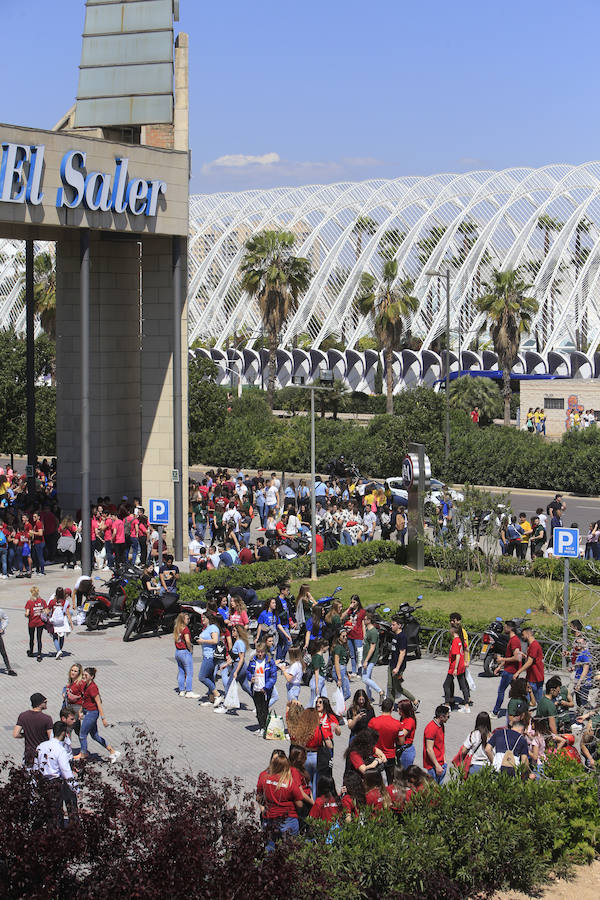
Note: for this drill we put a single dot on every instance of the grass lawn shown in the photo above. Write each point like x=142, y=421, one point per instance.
x=391, y=585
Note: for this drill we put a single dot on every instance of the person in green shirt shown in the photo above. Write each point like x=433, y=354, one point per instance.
x=317, y=682
x=538, y=538
x=341, y=655
x=200, y=518
x=546, y=708
x=564, y=705
x=370, y=656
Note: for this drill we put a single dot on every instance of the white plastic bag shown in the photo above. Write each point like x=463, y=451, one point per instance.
x=470, y=681
x=232, y=697
x=275, y=728
x=339, y=704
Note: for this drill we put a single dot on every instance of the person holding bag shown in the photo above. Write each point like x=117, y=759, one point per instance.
x=60, y=619
x=183, y=657
x=262, y=675
x=471, y=757
x=234, y=669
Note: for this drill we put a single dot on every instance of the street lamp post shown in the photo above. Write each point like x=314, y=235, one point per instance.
x=325, y=379
x=446, y=277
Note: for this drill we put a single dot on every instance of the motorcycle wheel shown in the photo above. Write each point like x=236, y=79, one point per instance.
x=92, y=620
x=130, y=627
x=418, y=651
x=489, y=664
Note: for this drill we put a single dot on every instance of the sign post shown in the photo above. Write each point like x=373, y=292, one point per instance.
x=416, y=476
x=159, y=515
x=565, y=544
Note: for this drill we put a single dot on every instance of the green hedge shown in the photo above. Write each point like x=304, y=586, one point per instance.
x=267, y=574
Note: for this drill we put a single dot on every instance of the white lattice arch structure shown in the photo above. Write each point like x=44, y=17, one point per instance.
x=544, y=220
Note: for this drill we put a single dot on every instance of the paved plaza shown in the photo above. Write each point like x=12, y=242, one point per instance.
x=138, y=681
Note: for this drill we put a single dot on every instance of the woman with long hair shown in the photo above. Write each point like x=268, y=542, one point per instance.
x=456, y=666
x=353, y=621
x=60, y=618
x=341, y=656
x=268, y=620
x=92, y=709
x=305, y=598
x=36, y=613
x=298, y=764
x=279, y=797
x=66, y=541
x=329, y=806
x=360, y=713
x=476, y=742
x=293, y=673
x=363, y=754
x=209, y=638
x=308, y=733
x=317, y=682
x=371, y=656
x=234, y=667
x=72, y=692
x=183, y=657
x=315, y=626
x=405, y=755
x=238, y=612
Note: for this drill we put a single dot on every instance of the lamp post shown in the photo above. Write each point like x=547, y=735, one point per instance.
x=446, y=277
x=325, y=381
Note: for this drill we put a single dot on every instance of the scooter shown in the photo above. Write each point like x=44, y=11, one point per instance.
x=495, y=642
x=150, y=612
x=411, y=627
x=287, y=547
x=106, y=605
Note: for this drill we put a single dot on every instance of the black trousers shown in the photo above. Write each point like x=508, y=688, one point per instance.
x=120, y=552
x=37, y=632
x=449, y=688
x=4, y=654
x=63, y=796
x=261, y=703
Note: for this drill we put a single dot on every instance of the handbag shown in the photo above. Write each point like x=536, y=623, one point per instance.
x=339, y=704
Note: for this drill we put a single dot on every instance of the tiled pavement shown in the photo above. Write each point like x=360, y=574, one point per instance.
x=137, y=682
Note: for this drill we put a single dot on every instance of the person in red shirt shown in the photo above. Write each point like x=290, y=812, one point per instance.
x=329, y=806
x=456, y=666
x=508, y=664
x=475, y=415
x=246, y=555
x=39, y=545
x=379, y=797
x=362, y=754
x=118, y=539
x=108, y=542
x=35, y=608
x=406, y=735
x=279, y=797
x=533, y=665
x=25, y=538
x=352, y=621
x=388, y=729
x=434, y=744
x=91, y=704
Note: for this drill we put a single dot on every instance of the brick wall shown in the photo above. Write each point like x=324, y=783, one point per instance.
x=162, y=136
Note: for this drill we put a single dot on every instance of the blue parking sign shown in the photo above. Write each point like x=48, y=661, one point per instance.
x=158, y=512
x=565, y=542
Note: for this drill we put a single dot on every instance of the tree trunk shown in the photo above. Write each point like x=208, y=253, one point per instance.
x=272, y=369
x=389, y=381
x=506, y=392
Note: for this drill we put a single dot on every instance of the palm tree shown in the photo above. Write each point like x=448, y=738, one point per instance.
x=277, y=279
x=468, y=392
x=509, y=313
x=364, y=225
x=390, y=242
x=388, y=306
x=44, y=292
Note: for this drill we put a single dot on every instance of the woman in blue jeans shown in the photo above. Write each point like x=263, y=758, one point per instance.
x=370, y=657
x=234, y=667
x=91, y=706
x=209, y=638
x=183, y=657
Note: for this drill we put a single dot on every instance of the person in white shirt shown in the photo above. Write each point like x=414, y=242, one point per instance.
x=369, y=523
x=52, y=762
x=271, y=497
x=194, y=548
x=241, y=489
x=232, y=515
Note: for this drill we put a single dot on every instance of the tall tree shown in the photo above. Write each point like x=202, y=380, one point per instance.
x=44, y=291
x=389, y=307
x=271, y=273
x=364, y=226
x=509, y=313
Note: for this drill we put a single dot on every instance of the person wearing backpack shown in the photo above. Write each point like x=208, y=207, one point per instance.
x=507, y=748
x=513, y=533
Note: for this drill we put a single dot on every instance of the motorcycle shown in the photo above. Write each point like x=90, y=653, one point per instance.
x=287, y=547
x=495, y=642
x=411, y=627
x=103, y=606
x=150, y=612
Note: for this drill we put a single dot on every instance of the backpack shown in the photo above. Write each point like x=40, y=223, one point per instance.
x=3, y=541
x=505, y=759
x=512, y=533
x=127, y=526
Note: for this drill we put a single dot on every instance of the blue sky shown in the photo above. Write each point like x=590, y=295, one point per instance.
x=326, y=90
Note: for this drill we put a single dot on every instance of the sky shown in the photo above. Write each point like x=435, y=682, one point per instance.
x=324, y=91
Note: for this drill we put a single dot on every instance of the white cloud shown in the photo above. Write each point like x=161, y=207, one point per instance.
x=239, y=161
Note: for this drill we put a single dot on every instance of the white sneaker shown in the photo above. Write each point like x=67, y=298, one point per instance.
x=58, y=654
x=115, y=755
x=217, y=700
x=191, y=695
x=220, y=710
x=183, y=693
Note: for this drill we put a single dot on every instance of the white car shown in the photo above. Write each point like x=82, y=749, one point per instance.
x=434, y=495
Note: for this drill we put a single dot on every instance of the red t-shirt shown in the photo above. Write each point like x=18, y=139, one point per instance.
x=328, y=808
x=387, y=727
x=88, y=697
x=535, y=672
x=119, y=531
x=457, y=650
x=410, y=726
x=354, y=622
x=320, y=543
x=181, y=644
x=328, y=723
x=513, y=644
x=355, y=759
x=434, y=732
x=34, y=609
x=68, y=531
x=108, y=527
x=279, y=801
x=39, y=526
x=374, y=798
x=142, y=529
x=246, y=556
x=317, y=739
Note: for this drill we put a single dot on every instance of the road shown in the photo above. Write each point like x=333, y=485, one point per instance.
x=581, y=510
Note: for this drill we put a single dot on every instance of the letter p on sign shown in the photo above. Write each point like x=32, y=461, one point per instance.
x=566, y=542
x=158, y=512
